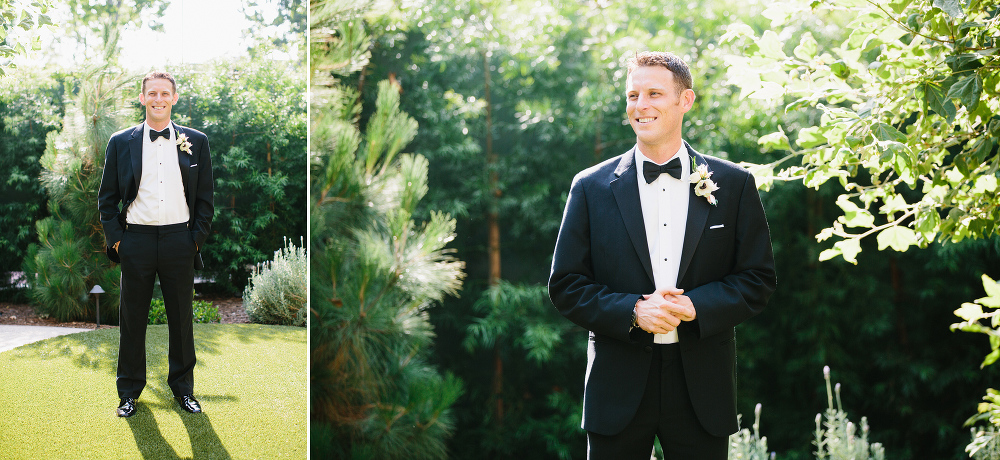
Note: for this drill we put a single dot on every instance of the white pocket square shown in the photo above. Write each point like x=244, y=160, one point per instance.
x=196, y=164
x=716, y=226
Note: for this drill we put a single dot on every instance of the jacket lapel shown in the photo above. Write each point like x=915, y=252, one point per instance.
x=698, y=209
x=135, y=153
x=183, y=161
x=625, y=188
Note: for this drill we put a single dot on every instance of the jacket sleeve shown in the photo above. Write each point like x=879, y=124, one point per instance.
x=204, y=205
x=743, y=293
x=109, y=198
x=572, y=285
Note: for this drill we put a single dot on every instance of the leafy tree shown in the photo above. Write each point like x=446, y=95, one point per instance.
x=69, y=258
x=910, y=112
x=375, y=269
x=255, y=117
x=903, y=114
x=30, y=107
x=19, y=22
x=93, y=24
x=291, y=14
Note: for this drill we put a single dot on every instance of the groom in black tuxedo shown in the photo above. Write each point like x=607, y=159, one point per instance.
x=662, y=251
x=156, y=209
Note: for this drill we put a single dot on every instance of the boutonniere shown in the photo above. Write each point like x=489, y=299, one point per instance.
x=184, y=143
x=703, y=184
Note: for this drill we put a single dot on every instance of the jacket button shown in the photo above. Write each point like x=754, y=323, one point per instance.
x=648, y=349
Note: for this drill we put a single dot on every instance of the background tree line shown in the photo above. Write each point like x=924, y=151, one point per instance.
x=513, y=98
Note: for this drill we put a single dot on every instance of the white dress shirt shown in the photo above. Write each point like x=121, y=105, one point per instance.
x=664, y=213
x=161, y=193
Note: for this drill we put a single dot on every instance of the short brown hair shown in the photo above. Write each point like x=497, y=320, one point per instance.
x=162, y=75
x=670, y=61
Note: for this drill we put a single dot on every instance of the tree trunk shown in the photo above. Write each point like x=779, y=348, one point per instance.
x=492, y=219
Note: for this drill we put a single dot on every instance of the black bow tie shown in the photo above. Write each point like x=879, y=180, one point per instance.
x=652, y=170
x=153, y=134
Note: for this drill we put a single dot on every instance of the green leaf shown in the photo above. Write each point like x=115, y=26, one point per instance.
x=963, y=62
x=894, y=204
x=936, y=99
x=900, y=5
x=735, y=30
x=886, y=132
x=985, y=184
x=811, y=137
x=952, y=7
x=849, y=249
x=774, y=141
x=970, y=312
x=928, y=221
x=968, y=90
x=898, y=238
x=807, y=47
x=991, y=287
x=858, y=218
x=770, y=46
x=991, y=358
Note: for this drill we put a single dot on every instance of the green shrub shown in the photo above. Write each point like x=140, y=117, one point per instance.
x=203, y=312
x=276, y=291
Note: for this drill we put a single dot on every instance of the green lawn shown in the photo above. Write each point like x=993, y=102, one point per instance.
x=58, y=397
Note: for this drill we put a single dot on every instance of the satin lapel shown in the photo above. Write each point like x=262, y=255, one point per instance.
x=135, y=154
x=184, y=161
x=698, y=209
x=625, y=188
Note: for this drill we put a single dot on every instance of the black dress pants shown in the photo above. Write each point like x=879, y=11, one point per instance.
x=665, y=413
x=148, y=252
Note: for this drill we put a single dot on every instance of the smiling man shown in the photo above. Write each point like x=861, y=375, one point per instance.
x=156, y=209
x=662, y=251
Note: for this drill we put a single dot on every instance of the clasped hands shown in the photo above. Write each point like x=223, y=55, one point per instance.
x=663, y=310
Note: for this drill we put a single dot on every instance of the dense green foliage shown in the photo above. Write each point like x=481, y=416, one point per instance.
x=31, y=106
x=69, y=257
x=276, y=292
x=19, y=25
x=544, y=84
x=202, y=312
x=375, y=269
x=254, y=114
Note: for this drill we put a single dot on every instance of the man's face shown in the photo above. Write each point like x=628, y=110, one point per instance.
x=655, y=107
x=159, y=98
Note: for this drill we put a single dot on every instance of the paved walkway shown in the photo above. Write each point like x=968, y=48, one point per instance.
x=14, y=336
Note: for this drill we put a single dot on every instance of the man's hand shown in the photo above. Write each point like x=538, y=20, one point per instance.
x=116, y=245
x=680, y=305
x=663, y=310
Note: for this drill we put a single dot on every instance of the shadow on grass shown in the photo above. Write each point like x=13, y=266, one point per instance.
x=148, y=437
x=98, y=349
x=205, y=442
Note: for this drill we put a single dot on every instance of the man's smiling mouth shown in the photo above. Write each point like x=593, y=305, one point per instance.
x=645, y=119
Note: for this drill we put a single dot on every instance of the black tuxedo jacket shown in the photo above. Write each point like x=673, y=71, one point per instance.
x=120, y=184
x=601, y=267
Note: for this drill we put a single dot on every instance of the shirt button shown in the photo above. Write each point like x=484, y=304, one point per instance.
x=648, y=349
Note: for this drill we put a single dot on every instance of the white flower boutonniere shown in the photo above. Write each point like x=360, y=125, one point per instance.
x=184, y=143
x=703, y=184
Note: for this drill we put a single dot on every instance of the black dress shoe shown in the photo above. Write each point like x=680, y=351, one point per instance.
x=126, y=408
x=189, y=404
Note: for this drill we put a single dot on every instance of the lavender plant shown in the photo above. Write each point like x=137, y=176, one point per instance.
x=837, y=438
x=276, y=293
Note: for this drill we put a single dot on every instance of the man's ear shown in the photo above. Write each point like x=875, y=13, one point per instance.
x=687, y=99
x=142, y=99
x=176, y=96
